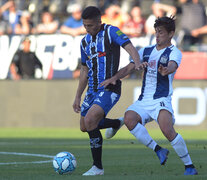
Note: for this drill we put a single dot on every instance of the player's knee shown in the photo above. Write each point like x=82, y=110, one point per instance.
x=131, y=119
x=82, y=125
x=128, y=120
x=89, y=124
x=83, y=129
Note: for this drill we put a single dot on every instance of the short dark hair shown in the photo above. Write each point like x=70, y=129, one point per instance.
x=167, y=22
x=91, y=12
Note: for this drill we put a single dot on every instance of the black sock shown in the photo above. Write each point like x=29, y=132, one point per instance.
x=107, y=123
x=96, y=141
x=157, y=148
x=190, y=165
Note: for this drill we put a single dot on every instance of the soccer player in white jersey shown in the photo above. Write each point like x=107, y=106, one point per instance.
x=154, y=103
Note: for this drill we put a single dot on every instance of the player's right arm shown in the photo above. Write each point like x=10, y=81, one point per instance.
x=81, y=87
x=83, y=79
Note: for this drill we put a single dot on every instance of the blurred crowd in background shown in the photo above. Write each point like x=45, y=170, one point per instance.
x=134, y=17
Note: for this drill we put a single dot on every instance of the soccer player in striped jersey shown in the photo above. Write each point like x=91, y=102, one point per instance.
x=100, y=55
x=154, y=103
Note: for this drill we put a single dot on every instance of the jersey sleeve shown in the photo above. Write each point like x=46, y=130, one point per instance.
x=84, y=57
x=118, y=36
x=176, y=56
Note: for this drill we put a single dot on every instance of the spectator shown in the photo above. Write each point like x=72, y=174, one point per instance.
x=114, y=16
x=192, y=17
x=25, y=64
x=25, y=25
x=48, y=24
x=85, y=3
x=5, y=28
x=10, y=14
x=74, y=24
x=158, y=10
x=135, y=26
x=126, y=6
x=199, y=31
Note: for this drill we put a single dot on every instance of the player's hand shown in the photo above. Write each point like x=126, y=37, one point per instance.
x=163, y=70
x=105, y=83
x=141, y=66
x=76, y=105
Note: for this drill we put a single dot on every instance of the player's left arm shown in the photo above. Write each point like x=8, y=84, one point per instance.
x=169, y=69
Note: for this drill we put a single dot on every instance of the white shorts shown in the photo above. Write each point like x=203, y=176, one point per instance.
x=149, y=112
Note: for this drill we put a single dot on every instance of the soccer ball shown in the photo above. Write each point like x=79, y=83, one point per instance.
x=64, y=163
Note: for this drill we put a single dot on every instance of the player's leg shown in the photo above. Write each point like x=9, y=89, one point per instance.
x=91, y=120
x=103, y=124
x=111, y=131
x=109, y=123
x=134, y=122
x=82, y=124
x=107, y=100
x=102, y=104
x=165, y=121
x=88, y=123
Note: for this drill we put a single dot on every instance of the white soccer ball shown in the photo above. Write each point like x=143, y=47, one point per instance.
x=64, y=163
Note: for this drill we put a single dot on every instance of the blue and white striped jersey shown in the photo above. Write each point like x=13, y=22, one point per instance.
x=154, y=85
x=101, y=54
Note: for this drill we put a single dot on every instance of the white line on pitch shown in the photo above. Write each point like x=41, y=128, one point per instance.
x=27, y=154
x=32, y=162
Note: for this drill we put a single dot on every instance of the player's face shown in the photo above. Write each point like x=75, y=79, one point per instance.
x=92, y=26
x=163, y=38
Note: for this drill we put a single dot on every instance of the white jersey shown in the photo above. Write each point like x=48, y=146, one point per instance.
x=154, y=85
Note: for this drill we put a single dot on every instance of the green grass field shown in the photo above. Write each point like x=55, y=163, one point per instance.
x=23, y=155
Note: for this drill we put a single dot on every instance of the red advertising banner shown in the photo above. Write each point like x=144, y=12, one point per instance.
x=193, y=66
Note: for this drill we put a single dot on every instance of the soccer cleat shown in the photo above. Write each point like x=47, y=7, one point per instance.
x=190, y=171
x=110, y=132
x=94, y=171
x=162, y=155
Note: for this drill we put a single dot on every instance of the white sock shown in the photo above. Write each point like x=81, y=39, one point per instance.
x=141, y=133
x=181, y=149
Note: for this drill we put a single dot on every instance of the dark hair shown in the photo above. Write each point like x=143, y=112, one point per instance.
x=167, y=22
x=91, y=12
